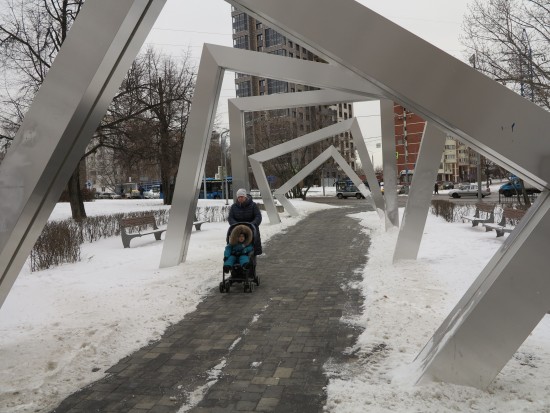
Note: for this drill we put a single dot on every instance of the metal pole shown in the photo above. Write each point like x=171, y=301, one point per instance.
x=405, y=146
x=225, y=170
x=222, y=165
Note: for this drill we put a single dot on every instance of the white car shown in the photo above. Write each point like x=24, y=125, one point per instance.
x=468, y=190
x=150, y=194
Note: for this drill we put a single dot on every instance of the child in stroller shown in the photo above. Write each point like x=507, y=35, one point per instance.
x=239, y=258
x=238, y=248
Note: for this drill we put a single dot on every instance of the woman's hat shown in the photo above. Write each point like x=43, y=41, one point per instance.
x=241, y=192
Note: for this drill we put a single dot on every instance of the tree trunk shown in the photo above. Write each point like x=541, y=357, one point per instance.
x=75, y=195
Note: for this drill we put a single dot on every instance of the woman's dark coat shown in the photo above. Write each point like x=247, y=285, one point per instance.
x=248, y=211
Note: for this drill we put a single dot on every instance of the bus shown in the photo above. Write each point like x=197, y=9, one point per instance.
x=215, y=188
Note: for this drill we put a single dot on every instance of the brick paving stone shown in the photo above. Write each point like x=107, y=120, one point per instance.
x=273, y=342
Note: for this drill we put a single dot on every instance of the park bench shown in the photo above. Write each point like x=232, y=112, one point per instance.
x=510, y=218
x=485, y=213
x=143, y=225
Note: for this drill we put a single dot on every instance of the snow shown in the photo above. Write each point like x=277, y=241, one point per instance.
x=61, y=328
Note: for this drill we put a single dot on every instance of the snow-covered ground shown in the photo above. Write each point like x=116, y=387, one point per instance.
x=60, y=329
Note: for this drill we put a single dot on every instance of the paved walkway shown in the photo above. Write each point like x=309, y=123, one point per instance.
x=259, y=352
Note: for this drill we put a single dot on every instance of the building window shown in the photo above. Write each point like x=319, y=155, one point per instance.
x=273, y=38
x=244, y=89
x=241, y=42
x=276, y=86
x=291, y=54
x=279, y=52
x=240, y=22
x=260, y=39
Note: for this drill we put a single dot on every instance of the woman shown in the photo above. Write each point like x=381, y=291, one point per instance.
x=246, y=210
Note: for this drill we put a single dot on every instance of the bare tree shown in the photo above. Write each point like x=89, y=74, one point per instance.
x=31, y=35
x=151, y=107
x=509, y=41
x=147, y=123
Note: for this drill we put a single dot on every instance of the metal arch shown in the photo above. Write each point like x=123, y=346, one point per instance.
x=330, y=152
x=420, y=194
x=300, y=142
x=368, y=168
x=501, y=133
x=214, y=61
x=237, y=107
x=476, y=340
x=61, y=120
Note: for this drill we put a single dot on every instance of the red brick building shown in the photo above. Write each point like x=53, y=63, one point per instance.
x=409, y=128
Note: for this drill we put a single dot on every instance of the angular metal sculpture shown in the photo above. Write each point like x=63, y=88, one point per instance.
x=237, y=108
x=214, y=61
x=503, y=305
x=60, y=122
x=309, y=139
x=420, y=194
x=482, y=333
x=330, y=152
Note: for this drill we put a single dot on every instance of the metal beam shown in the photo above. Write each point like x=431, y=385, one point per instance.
x=237, y=108
x=420, y=194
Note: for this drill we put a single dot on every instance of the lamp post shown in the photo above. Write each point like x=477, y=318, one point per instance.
x=224, y=154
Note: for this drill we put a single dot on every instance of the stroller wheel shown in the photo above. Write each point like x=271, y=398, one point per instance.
x=257, y=279
x=222, y=287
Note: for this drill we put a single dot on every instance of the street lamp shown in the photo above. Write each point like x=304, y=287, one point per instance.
x=223, y=153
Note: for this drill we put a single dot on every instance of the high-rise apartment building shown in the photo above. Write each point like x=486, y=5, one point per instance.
x=271, y=127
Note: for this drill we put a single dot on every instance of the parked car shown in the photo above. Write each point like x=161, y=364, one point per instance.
x=108, y=195
x=468, y=190
x=514, y=187
x=349, y=191
x=447, y=185
x=152, y=193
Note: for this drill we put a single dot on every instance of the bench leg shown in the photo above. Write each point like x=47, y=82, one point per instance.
x=198, y=226
x=125, y=241
x=500, y=233
x=158, y=234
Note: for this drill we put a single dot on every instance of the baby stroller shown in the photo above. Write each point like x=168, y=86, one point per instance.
x=237, y=274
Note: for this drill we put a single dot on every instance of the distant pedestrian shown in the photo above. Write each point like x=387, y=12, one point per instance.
x=141, y=191
x=436, y=189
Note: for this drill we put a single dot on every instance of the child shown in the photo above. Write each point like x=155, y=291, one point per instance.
x=238, y=248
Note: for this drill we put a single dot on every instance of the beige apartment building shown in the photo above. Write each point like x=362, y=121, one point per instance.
x=251, y=34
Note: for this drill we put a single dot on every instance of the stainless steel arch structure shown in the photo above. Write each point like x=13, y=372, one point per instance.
x=258, y=158
x=475, y=342
x=237, y=109
x=330, y=152
x=214, y=61
x=505, y=302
